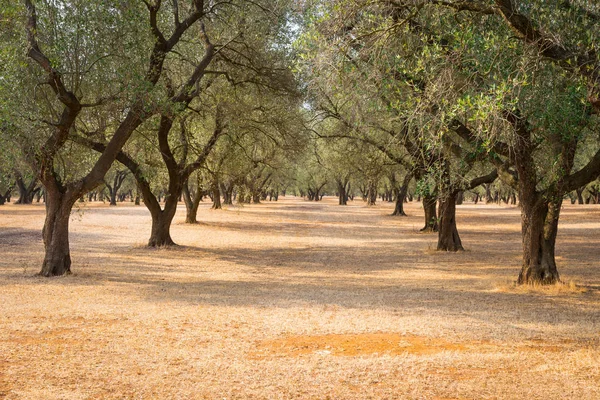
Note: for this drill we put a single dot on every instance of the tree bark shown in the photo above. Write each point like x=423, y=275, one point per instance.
x=448, y=238
x=57, y=257
x=429, y=206
x=342, y=195
x=161, y=222
x=26, y=191
x=400, y=193
x=191, y=204
x=216, y=194
x=539, y=226
x=372, y=193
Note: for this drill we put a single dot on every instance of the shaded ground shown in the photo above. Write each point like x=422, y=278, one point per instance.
x=296, y=300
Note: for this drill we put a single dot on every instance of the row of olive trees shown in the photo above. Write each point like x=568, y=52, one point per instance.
x=459, y=94
x=154, y=85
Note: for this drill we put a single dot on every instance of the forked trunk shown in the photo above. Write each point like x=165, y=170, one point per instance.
x=57, y=258
x=191, y=204
x=448, y=238
x=161, y=225
x=400, y=194
x=429, y=206
x=399, y=208
x=539, y=225
x=113, y=197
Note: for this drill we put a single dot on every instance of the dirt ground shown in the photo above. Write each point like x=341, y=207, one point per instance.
x=296, y=300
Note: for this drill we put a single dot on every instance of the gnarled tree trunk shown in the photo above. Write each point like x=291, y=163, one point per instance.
x=429, y=206
x=539, y=225
x=448, y=237
x=216, y=194
x=161, y=223
x=400, y=193
x=57, y=257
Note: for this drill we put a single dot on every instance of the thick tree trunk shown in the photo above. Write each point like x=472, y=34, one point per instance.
x=161, y=225
x=539, y=225
x=227, y=190
x=460, y=198
x=26, y=191
x=57, y=258
x=429, y=206
x=448, y=238
x=399, y=208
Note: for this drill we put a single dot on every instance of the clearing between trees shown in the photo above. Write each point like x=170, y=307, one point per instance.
x=297, y=299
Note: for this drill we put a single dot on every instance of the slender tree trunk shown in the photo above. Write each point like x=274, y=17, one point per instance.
x=488, y=194
x=579, y=195
x=113, y=195
x=448, y=237
x=372, y=193
x=216, y=194
x=342, y=196
x=429, y=206
x=191, y=204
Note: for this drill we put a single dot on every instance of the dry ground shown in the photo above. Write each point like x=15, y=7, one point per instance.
x=296, y=300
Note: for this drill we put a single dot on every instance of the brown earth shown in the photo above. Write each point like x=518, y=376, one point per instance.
x=297, y=300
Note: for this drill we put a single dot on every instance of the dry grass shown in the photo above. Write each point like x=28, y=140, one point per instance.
x=559, y=288
x=297, y=300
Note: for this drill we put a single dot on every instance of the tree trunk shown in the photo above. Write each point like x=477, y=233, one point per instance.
x=216, y=194
x=429, y=206
x=57, y=258
x=460, y=198
x=26, y=192
x=227, y=190
x=372, y=193
x=448, y=238
x=342, y=196
x=113, y=195
x=539, y=226
x=191, y=204
x=488, y=194
x=400, y=193
x=161, y=224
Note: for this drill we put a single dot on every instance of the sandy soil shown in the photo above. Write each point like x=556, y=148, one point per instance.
x=296, y=300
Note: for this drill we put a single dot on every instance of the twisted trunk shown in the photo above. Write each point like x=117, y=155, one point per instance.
x=448, y=238
x=161, y=223
x=400, y=193
x=216, y=194
x=191, y=204
x=57, y=257
x=539, y=226
x=429, y=206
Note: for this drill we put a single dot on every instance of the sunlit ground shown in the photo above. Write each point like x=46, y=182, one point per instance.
x=297, y=300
